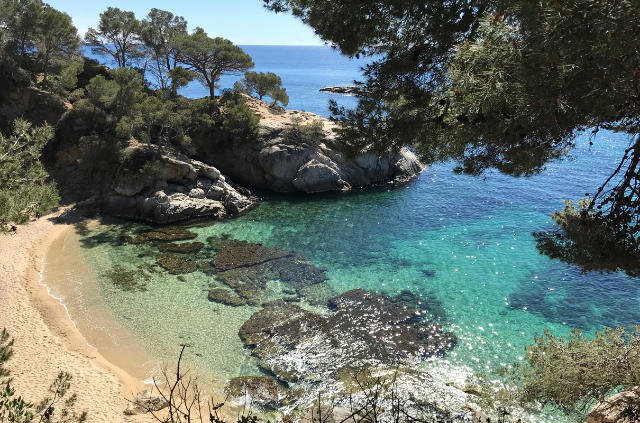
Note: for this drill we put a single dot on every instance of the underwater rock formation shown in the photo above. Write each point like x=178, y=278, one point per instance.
x=246, y=268
x=363, y=329
x=168, y=233
x=184, y=248
x=176, y=264
x=254, y=390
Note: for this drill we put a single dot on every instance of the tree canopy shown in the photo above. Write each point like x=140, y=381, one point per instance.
x=118, y=36
x=269, y=84
x=157, y=31
x=34, y=37
x=23, y=191
x=505, y=84
x=209, y=58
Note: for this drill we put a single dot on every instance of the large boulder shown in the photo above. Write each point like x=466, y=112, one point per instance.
x=363, y=329
x=284, y=164
x=145, y=402
x=620, y=408
x=174, y=188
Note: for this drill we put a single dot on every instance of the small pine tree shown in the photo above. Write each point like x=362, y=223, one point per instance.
x=23, y=191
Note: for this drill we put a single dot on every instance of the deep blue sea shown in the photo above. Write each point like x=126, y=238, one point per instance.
x=475, y=233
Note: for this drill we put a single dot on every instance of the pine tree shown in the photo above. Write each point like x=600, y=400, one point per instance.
x=23, y=190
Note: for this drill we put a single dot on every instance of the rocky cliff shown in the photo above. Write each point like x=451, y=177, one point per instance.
x=311, y=164
x=172, y=187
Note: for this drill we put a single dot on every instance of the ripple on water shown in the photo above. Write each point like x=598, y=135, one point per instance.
x=463, y=242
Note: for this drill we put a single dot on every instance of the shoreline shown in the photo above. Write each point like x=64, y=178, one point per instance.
x=46, y=340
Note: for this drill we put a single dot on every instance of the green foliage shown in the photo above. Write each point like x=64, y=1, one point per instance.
x=34, y=37
x=576, y=373
x=311, y=133
x=157, y=31
x=209, y=58
x=500, y=84
x=117, y=36
x=268, y=84
x=23, y=191
x=588, y=241
x=101, y=154
x=180, y=77
x=240, y=123
x=57, y=37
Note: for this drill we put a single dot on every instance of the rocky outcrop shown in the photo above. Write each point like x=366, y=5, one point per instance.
x=305, y=164
x=254, y=390
x=620, y=408
x=341, y=89
x=362, y=330
x=146, y=401
x=173, y=187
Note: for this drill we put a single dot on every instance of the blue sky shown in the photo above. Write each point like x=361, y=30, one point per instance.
x=244, y=22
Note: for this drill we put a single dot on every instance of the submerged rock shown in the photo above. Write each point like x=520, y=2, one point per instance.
x=168, y=233
x=176, y=264
x=226, y=297
x=127, y=280
x=253, y=390
x=363, y=329
x=184, y=248
x=246, y=268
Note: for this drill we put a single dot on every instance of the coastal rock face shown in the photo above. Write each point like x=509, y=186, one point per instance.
x=174, y=187
x=311, y=164
x=363, y=329
x=620, y=408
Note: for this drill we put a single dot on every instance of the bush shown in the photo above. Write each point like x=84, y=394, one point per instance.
x=240, y=124
x=310, y=133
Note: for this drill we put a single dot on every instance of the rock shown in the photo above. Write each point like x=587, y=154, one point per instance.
x=317, y=177
x=286, y=165
x=252, y=390
x=620, y=408
x=226, y=297
x=477, y=416
x=168, y=233
x=145, y=402
x=197, y=193
x=246, y=268
x=363, y=329
x=176, y=264
x=174, y=188
x=343, y=89
x=184, y=248
x=317, y=294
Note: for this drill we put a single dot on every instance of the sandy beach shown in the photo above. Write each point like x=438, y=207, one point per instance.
x=46, y=340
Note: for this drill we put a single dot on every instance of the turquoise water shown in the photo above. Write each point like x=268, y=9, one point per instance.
x=472, y=236
x=474, y=233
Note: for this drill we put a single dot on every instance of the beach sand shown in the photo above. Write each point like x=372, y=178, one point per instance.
x=46, y=340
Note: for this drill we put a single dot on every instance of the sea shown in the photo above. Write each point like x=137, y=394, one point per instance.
x=465, y=240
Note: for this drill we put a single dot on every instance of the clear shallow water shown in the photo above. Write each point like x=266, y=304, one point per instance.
x=474, y=233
